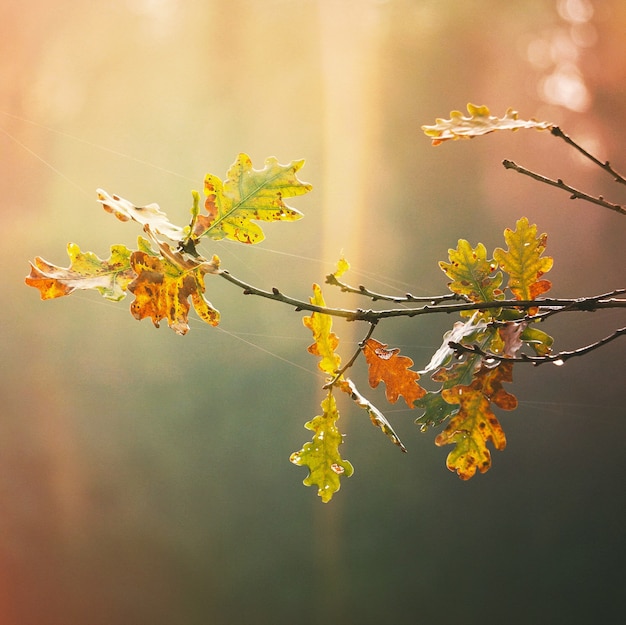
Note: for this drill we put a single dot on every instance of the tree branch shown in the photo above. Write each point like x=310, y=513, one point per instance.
x=557, y=359
x=588, y=301
x=277, y=296
x=373, y=316
x=557, y=132
x=575, y=193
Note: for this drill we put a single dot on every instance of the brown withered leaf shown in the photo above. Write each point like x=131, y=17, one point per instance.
x=150, y=215
x=376, y=416
x=86, y=271
x=480, y=121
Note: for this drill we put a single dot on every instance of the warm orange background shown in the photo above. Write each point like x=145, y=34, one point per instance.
x=144, y=477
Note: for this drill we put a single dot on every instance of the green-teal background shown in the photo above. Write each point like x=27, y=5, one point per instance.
x=144, y=477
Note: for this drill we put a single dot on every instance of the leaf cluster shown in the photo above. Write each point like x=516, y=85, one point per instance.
x=163, y=279
x=499, y=297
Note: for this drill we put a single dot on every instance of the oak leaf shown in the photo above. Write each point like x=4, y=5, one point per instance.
x=472, y=274
x=479, y=122
x=511, y=335
x=321, y=455
x=523, y=261
x=475, y=424
x=460, y=372
x=163, y=285
x=342, y=266
x=376, y=416
x=326, y=340
x=333, y=278
x=110, y=277
x=150, y=215
x=247, y=195
x=386, y=365
x=538, y=340
x=469, y=330
x=436, y=410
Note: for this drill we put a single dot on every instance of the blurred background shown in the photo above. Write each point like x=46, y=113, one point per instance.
x=144, y=477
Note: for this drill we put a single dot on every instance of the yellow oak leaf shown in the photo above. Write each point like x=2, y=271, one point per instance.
x=472, y=274
x=523, y=260
x=326, y=340
x=342, y=266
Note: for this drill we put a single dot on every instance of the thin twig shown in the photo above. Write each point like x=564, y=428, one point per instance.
x=352, y=360
x=589, y=300
x=575, y=194
x=557, y=132
x=398, y=299
x=559, y=358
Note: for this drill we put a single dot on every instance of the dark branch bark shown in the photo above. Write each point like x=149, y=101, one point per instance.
x=398, y=299
x=557, y=132
x=575, y=194
x=557, y=359
x=552, y=305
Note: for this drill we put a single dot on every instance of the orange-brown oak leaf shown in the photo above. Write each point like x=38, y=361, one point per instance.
x=489, y=380
x=164, y=285
x=386, y=365
x=475, y=424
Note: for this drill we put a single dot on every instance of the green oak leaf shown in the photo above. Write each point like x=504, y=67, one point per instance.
x=321, y=455
x=538, y=340
x=472, y=275
x=247, y=195
x=436, y=410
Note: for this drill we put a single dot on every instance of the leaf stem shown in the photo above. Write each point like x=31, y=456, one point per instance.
x=352, y=360
x=575, y=194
